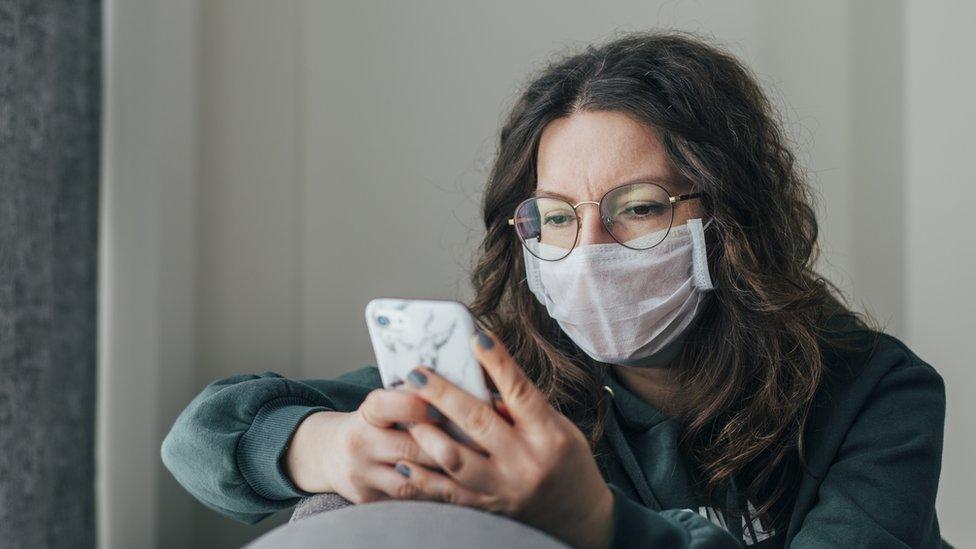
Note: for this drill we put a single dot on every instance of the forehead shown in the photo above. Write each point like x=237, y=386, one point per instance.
x=584, y=155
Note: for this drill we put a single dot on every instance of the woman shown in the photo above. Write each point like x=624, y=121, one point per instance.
x=673, y=371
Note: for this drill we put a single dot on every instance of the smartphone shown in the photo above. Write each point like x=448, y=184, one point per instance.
x=407, y=333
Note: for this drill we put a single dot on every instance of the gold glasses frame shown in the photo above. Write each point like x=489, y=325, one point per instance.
x=672, y=200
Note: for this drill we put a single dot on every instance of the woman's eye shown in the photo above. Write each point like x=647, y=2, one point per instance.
x=557, y=220
x=642, y=210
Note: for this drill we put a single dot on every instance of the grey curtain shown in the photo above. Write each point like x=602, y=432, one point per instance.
x=50, y=72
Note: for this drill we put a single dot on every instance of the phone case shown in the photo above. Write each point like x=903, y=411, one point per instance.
x=407, y=333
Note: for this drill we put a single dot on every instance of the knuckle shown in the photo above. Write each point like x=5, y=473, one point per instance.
x=406, y=490
x=479, y=420
x=449, y=495
x=370, y=402
x=520, y=390
x=427, y=488
x=449, y=458
x=419, y=480
x=560, y=442
x=425, y=458
x=406, y=449
x=496, y=504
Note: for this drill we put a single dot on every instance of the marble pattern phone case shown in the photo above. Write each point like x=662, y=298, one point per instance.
x=407, y=333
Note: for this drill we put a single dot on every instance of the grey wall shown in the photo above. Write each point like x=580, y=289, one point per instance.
x=49, y=152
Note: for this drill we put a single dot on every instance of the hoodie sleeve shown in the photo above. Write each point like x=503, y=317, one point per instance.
x=225, y=447
x=636, y=526
x=880, y=488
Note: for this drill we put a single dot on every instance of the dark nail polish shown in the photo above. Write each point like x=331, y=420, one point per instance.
x=403, y=470
x=434, y=413
x=417, y=378
x=485, y=341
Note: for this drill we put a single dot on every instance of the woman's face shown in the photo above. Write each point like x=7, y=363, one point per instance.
x=584, y=155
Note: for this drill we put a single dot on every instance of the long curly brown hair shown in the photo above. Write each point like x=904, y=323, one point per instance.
x=753, y=361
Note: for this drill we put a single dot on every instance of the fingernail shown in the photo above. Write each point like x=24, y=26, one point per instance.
x=434, y=413
x=403, y=469
x=417, y=378
x=484, y=341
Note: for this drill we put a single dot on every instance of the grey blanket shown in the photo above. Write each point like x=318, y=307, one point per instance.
x=319, y=503
x=399, y=524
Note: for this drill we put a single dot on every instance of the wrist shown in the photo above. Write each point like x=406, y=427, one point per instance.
x=305, y=459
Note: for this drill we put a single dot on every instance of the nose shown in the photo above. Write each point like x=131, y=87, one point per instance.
x=592, y=230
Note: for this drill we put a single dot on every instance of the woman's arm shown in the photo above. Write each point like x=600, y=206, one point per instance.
x=636, y=526
x=880, y=488
x=226, y=447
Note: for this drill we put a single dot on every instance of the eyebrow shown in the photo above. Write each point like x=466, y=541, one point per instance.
x=662, y=181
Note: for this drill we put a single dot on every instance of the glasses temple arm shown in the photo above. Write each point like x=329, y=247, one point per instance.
x=683, y=197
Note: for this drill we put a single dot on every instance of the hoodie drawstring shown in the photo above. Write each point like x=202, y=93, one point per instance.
x=616, y=438
x=618, y=443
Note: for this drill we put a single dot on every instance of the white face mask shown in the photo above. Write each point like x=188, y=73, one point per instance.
x=621, y=305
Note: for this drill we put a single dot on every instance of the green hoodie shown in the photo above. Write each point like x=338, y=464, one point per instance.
x=873, y=450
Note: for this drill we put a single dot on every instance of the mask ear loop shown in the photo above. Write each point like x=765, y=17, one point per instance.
x=702, y=278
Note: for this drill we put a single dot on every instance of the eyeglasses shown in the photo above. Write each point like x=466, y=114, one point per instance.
x=637, y=215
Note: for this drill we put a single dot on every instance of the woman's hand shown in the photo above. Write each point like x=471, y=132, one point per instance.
x=353, y=453
x=538, y=469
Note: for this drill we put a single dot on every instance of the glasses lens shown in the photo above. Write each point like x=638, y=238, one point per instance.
x=639, y=215
x=547, y=227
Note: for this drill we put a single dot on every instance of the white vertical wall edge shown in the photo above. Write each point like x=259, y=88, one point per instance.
x=940, y=250
x=146, y=265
